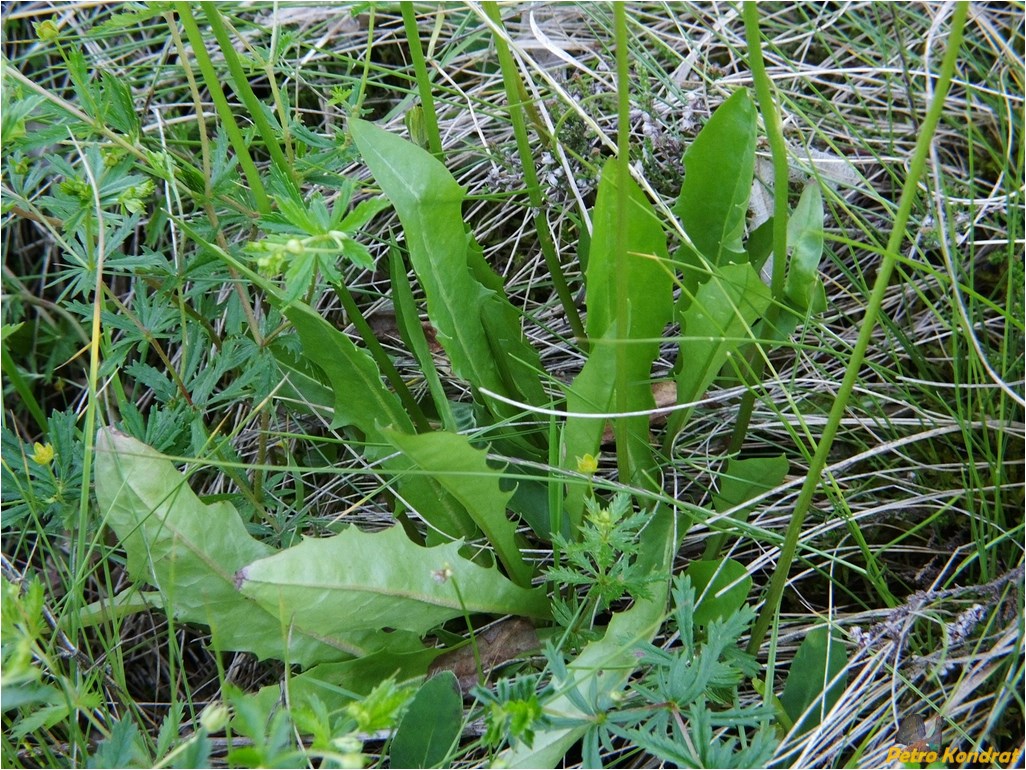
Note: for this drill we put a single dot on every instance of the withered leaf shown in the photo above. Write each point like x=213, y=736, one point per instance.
x=500, y=643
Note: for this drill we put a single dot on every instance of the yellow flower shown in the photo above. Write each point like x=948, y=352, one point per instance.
x=43, y=453
x=47, y=30
x=587, y=464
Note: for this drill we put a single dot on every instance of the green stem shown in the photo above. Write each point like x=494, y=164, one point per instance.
x=514, y=89
x=245, y=92
x=224, y=110
x=620, y=425
x=883, y=276
x=778, y=150
x=427, y=99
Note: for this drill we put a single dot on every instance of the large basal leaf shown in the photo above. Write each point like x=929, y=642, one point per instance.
x=714, y=326
x=361, y=398
x=463, y=472
x=721, y=587
x=805, y=239
x=428, y=201
x=713, y=202
x=810, y=685
x=641, y=272
x=358, y=580
x=191, y=551
x=741, y=481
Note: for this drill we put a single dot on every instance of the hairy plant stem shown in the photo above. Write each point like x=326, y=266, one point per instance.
x=890, y=257
x=514, y=90
x=427, y=99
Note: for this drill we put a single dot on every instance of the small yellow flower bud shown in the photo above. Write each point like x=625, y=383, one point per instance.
x=587, y=464
x=43, y=453
x=47, y=31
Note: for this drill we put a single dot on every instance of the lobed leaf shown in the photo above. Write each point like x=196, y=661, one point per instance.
x=428, y=201
x=604, y=666
x=361, y=398
x=463, y=472
x=715, y=325
x=719, y=169
x=805, y=237
x=361, y=581
x=190, y=552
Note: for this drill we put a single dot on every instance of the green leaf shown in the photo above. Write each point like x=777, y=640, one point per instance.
x=361, y=398
x=714, y=326
x=604, y=666
x=124, y=747
x=741, y=481
x=363, y=213
x=713, y=202
x=711, y=580
x=191, y=552
x=648, y=278
x=649, y=285
x=429, y=201
x=336, y=683
x=819, y=659
x=805, y=237
x=413, y=334
x=744, y=479
x=431, y=724
x=358, y=581
x=464, y=473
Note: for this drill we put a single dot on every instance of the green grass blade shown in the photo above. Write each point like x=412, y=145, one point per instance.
x=909, y=193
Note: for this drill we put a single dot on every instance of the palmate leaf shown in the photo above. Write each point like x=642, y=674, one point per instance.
x=428, y=201
x=191, y=552
x=604, y=666
x=360, y=581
